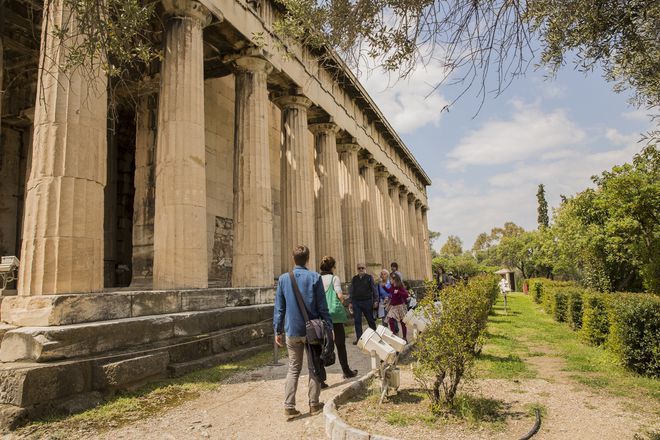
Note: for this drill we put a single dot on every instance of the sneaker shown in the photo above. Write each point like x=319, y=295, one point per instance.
x=351, y=373
x=291, y=413
x=324, y=385
x=315, y=408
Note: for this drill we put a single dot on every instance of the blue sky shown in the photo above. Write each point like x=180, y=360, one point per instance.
x=486, y=168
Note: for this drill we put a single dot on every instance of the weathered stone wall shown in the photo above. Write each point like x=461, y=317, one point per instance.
x=10, y=154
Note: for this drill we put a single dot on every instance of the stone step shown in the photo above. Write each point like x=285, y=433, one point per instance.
x=181, y=368
x=25, y=384
x=43, y=344
x=48, y=310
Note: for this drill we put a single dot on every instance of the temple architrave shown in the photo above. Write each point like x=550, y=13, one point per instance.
x=150, y=233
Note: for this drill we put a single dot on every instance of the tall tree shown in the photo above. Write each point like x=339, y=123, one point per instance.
x=453, y=246
x=433, y=236
x=542, y=210
x=472, y=38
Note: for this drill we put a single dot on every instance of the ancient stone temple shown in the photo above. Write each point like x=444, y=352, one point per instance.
x=150, y=237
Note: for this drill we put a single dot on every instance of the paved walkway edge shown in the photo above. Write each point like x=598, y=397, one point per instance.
x=335, y=427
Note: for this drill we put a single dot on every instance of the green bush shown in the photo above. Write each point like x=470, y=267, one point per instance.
x=446, y=350
x=537, y=291
x=635, y=332
x=560, y=306
x=595, y=320
x=575, y=308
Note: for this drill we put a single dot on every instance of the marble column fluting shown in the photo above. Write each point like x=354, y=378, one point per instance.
x=252, y=264
x=353, y=229
x=413, y=244
x=296, y=180
x=384, y=216
x=372, y=245
x=327, y=211
x=395, y=221
x=405, y=266
x=146, y=133
x=427, y=241
x=180, y=255
x=62, y=249
x=421, y=240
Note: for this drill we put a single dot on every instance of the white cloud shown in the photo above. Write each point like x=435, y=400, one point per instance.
x=466, y=208
x=528, y=133
x=640, y=115
x=404, y=101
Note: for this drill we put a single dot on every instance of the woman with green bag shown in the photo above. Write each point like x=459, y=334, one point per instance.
x=333, y=296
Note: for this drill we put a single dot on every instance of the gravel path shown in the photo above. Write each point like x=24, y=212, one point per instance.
x=249, y=406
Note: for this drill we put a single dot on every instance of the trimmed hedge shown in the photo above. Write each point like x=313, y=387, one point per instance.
x=595, y=320
x=635, y=332
x=626, y=323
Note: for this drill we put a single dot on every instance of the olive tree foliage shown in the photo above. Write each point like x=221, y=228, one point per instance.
x=445, y=352
x=113, y=37
x=487, y=43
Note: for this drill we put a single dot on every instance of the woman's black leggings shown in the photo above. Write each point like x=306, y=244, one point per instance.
x=340, y=343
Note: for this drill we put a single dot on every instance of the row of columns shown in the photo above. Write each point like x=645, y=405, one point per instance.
x=63, y=227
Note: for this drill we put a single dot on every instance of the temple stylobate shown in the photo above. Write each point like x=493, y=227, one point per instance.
x=174, y=220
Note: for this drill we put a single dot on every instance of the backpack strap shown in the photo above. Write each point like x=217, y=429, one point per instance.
x=296, y=291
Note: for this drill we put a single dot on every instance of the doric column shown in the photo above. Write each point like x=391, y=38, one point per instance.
x=252, y=264
x=146, y=133
x=180, y=257
x=413, y=244
x=351, y=211
x=328, y=219
x=372, y=244
x=384, y=217
x=395, y=221
x=62, y=250
x=421, y=240
x=296, y=180
x=427, y=241
x=405, y=265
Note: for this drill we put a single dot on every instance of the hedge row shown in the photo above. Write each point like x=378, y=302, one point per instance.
x=626, y=323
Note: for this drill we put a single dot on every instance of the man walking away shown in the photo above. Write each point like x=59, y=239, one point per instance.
x=364, y=299
x=288, y=318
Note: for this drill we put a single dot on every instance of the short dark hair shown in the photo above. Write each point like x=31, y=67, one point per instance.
x=394, y=264
x=301, y=255
x=327, y=263
x=395, y=276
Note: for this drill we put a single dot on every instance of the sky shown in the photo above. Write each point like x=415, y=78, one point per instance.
x=485, y=168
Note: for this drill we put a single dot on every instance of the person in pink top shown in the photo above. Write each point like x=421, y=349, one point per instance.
x=397, y=308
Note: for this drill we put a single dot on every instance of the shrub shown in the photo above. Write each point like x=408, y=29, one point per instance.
x=595, y=320
x=537, y=291
x=446, y=350
x=575, y=308
x=560, y=305
x=635, y=332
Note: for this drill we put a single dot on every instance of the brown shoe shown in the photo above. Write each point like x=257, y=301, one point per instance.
x=315, y=408
x=291, y=413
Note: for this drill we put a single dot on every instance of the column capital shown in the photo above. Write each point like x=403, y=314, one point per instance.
x=367, y=162
x=381, y=172
x=187, y=9
x=403, y=190
x=348, y=148
x=418, y=203
x=293, y=101
x=411, y=197
x=323, y=127
x=253, y=60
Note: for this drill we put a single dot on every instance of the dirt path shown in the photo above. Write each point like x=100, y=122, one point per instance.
x=250, y=406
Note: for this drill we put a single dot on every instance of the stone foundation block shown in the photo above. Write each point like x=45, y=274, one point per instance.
x=124, y=372
x=49, y=310
x=179, y=369
x=155, y=303
x=191, y=350
x=78, y=340
x=192, y=300
x=32, y=384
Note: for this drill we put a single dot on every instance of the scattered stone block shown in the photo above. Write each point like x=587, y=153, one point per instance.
x=118, y=374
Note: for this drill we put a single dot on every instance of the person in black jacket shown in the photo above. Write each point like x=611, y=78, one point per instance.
x=364, y=299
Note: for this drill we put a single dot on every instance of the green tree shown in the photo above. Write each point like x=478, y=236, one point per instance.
x=474, y=37
x=433, y=236
x=453, y=246
x=542, y=210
